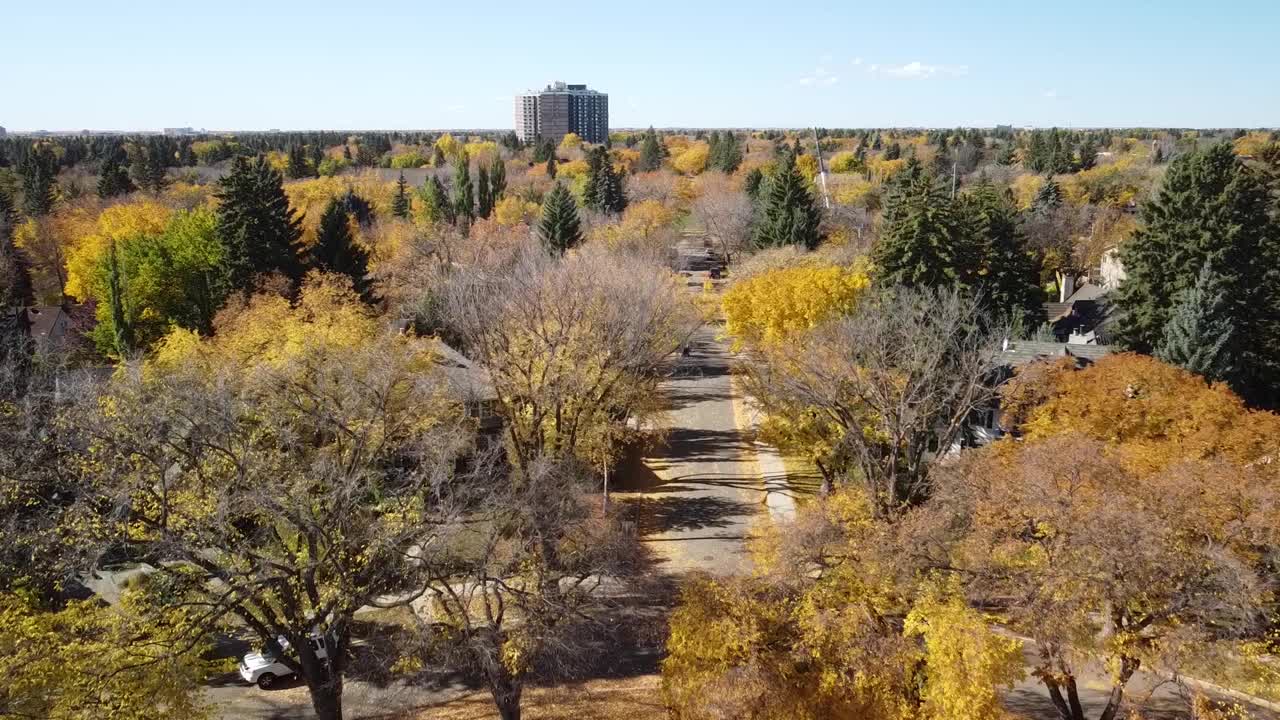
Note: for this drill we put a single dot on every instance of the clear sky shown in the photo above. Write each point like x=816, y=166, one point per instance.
x=145, y=64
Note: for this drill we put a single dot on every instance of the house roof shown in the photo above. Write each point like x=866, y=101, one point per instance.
x=1087, y=291
x=1055, y=311
x=1021, y=352
x=44, y=324
x=464, y=375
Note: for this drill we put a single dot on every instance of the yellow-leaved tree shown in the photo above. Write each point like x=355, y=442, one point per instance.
x=692, y=160
x=771, y=307
x=117, y=223
x=308, y=444
x=818, y=633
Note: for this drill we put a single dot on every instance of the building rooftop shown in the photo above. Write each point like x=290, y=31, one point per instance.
x=1021, y=352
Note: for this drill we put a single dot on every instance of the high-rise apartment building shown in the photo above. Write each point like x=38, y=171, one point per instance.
x=559, y=109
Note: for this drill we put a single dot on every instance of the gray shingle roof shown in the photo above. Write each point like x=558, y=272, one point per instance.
x=1022, y=352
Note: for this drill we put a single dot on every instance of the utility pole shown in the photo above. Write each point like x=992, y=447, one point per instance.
x=822, y=169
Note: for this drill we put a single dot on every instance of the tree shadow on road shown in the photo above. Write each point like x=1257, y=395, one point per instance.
x=654, y=515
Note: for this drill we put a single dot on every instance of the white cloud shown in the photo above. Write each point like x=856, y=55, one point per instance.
x=1051, y=94
x=917, y=70
x=455, y=108
x=821, y=77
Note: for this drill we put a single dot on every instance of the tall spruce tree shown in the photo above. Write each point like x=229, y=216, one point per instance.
x=256, y=225
x=464, y=197
x=336, y=251
x=498, y=177
x=297, y=166
x=16, y=290
x=113, y=179
x=1211, y=208
x=752, y=184
x=115, y=296
x=16, y=287
x=400, y=203
x=1198, y=332
x=152, y=167
x=1006, y=276
x=484, y=195
x=1049, y=196
x=650, y=153
x=357, y=207
x=551, y=166
x=789, y=216
x=1088, y=154
x=591, y=189
x=560, y=228
x=923, y=243
x=435, y=200
x=39, y=171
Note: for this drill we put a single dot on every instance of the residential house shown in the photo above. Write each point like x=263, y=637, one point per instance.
x=985, y=426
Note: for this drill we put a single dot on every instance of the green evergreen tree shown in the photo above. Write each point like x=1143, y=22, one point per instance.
x=560, y=228
x=346, y=152
x=591, y=189
x=336, y=251
x=1006, y=156
x=1049, y=195
x=256, y=225
x=789, y=215
x=1005, y=273
x=1088, y=154
x=551, y=166
x=894, y=152
x=297, y=167
x=650, y=153
x=752, y=183
x=613, y=195
x=1037, y=160
x=543, y=151
x=435, y=200
x=16, y=287
x=357, y=207
x=1211, y=208
x=498, y=178
x=113, y=179
x=923, y=243
x=484, y=196
x=115, y=296
x=400, y=203
x=1198, y=332
x=464, y=193
x=39, y=171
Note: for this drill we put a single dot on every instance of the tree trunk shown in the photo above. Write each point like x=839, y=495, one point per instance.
x=826, y=487
x=326, y=699
x=1068, y=708
x=506, y=692
x=1128, y=666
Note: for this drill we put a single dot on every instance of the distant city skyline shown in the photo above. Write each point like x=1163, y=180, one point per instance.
x=322, y=65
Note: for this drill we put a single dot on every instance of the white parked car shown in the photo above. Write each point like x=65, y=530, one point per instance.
x=265, y=669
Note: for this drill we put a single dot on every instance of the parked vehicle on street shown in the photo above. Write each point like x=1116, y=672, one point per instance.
x=264, y=669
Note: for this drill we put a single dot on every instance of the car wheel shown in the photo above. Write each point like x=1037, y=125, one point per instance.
x=266, y=680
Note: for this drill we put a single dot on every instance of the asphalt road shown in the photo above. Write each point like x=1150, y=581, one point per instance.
x=696, y=496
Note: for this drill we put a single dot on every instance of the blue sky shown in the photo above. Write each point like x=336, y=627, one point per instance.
x=144, y=64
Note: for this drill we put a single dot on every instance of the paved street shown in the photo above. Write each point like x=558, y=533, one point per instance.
x=696, y=497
